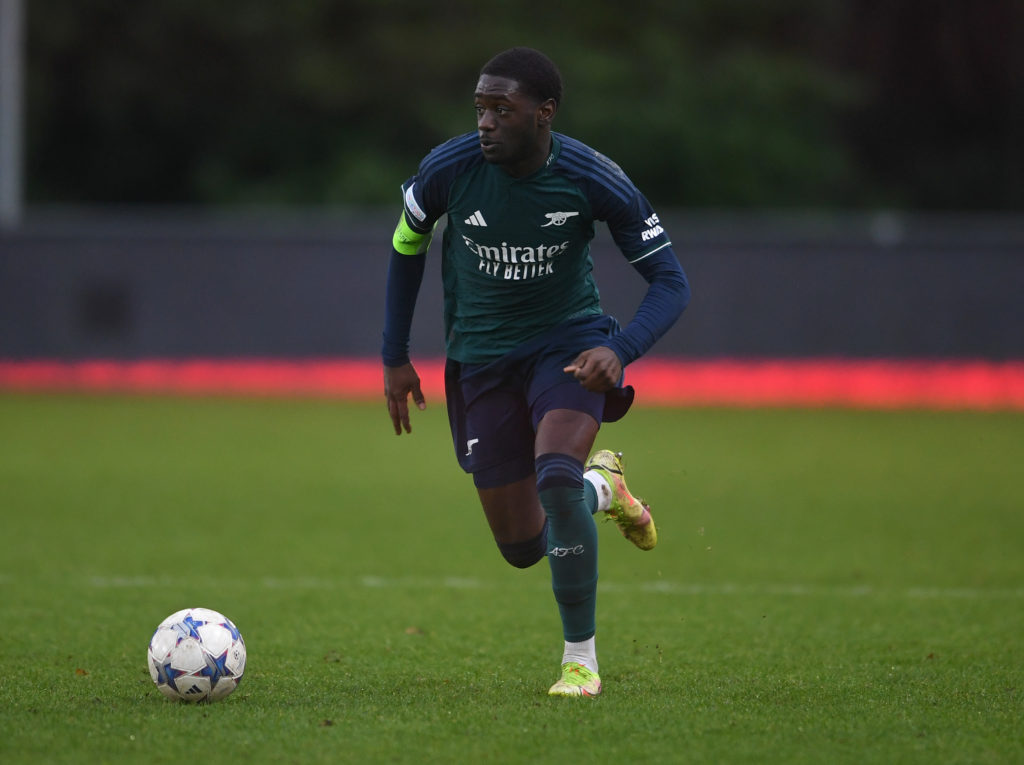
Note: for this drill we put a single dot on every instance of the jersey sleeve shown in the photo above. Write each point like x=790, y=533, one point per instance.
x=631, y=220
x=425, y=195
x=638, y=232
x=424, y=201
x=419, y=209
x=643, y=241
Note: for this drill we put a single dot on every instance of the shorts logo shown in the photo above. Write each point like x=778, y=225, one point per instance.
x=469, y=445
x=558, y=218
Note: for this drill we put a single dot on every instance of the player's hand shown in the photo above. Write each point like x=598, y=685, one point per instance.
x=399, y=382
x=597, y=369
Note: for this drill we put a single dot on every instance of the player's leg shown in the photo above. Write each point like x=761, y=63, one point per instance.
x=493, y=437
x=499, y=438
x=564, y=439
x=551, y=512
x=517, y=520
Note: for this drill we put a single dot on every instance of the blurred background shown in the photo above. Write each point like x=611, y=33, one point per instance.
x=184, y=178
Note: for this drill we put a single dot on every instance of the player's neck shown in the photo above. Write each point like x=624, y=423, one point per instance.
x=534, y=162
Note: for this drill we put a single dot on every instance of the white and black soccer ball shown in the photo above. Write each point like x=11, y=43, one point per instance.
x=196, y=655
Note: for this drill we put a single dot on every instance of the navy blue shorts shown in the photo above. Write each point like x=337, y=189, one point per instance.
x=494, y=408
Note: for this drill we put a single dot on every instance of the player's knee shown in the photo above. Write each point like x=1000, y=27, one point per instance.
x=558, y=470
x=525, y=554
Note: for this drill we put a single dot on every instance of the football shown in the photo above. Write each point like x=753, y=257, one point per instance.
x=196, y=654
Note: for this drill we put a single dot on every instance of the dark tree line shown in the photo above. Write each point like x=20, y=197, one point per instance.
x=728, y=103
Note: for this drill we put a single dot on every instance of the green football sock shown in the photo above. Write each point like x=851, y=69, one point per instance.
x=572, y=542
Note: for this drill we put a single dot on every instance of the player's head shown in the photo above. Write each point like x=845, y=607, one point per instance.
x=516, y=98
x=536, y=74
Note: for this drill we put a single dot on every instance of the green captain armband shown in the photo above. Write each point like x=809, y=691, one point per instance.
x=409, y=242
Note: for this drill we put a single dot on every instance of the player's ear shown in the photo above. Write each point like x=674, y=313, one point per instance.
x=546, y=112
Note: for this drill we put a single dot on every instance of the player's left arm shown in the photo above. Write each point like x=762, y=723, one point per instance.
x=668, y=294
x=643, y=240
x=640, y=236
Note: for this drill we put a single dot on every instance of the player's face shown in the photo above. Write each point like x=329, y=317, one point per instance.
x=513, y=127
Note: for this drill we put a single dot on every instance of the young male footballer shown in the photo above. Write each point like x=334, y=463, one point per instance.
x=533, y=364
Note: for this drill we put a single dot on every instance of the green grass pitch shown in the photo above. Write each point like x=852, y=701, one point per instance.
x=830, y=586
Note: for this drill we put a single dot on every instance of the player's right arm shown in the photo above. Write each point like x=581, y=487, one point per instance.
x=399, y=383
x=405, y=275
x=425, y=198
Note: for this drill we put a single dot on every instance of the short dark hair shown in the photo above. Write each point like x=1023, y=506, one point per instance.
x=536, y=74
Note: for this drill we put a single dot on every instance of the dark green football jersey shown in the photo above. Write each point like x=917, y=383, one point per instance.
x=516, y=251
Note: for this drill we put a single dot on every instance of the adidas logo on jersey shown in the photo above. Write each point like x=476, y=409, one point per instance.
x=476, y=219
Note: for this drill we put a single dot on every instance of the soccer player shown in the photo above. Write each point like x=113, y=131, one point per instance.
x=533, y=364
